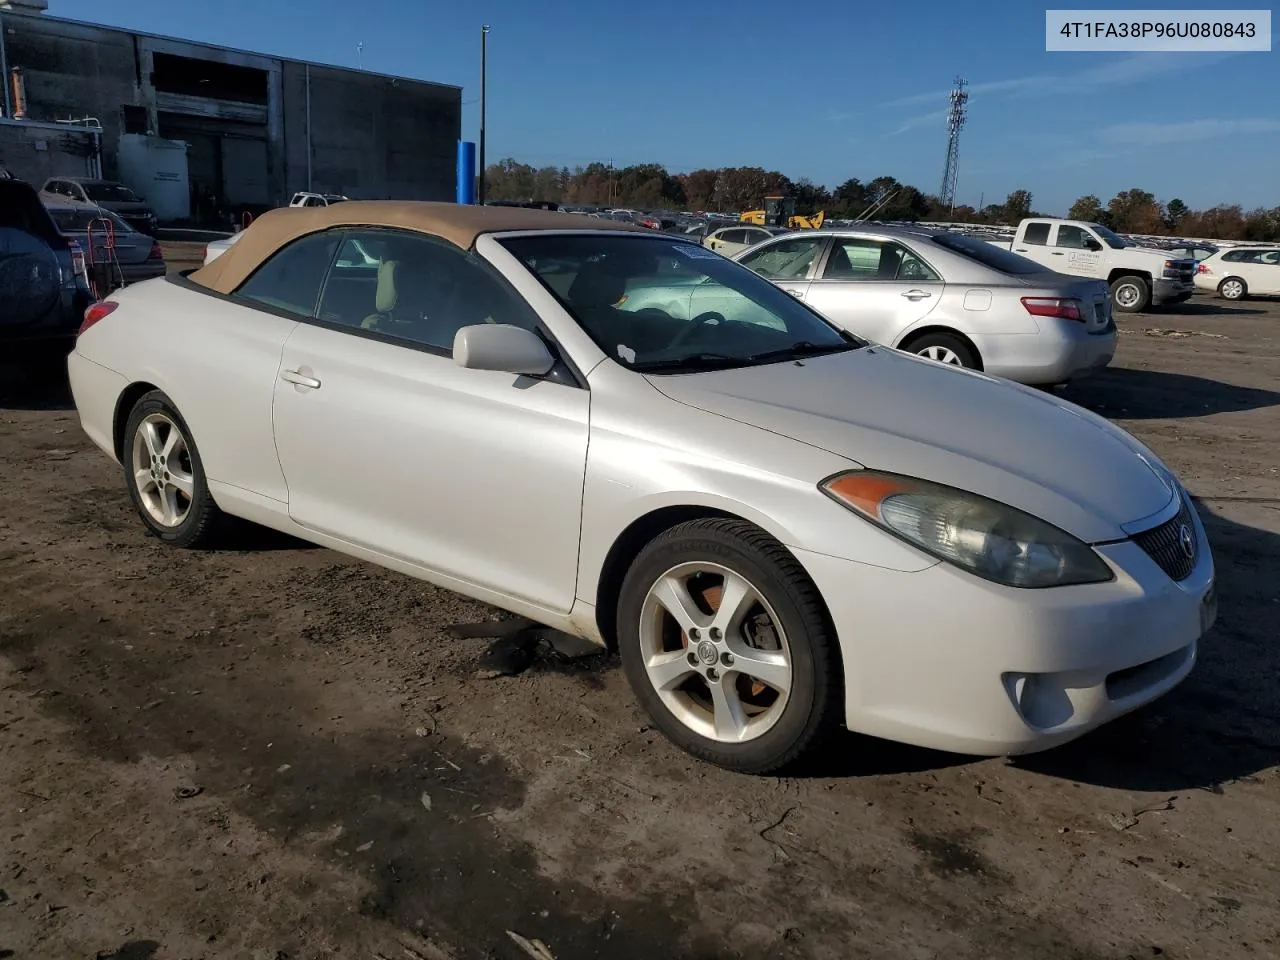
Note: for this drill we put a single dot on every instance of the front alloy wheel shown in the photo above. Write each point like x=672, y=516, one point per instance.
x=715, y=652
x=728, y=645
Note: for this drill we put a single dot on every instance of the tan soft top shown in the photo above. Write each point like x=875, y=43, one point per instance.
x=457, y=223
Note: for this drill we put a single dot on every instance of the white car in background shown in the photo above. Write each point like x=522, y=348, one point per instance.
x=1241, y=272
x=731, y=240
x=780, y=527
x=947, y=297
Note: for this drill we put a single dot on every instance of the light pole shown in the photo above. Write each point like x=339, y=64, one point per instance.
x=484, y=45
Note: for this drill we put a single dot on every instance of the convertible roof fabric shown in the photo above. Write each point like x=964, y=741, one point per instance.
x=459, y=224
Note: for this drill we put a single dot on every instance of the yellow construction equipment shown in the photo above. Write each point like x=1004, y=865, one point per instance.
x=780, y=211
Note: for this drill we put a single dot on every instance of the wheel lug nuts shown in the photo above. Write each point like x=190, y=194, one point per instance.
x=693, y=659
x=726, y=658
x=713, y=674
x=694, y=633
x=715, y=633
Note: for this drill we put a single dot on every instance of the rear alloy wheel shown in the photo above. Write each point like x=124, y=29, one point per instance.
x=1232, y=288
x=1130, y=294
x=944, y=348
x=727, y=645
x=164, y=474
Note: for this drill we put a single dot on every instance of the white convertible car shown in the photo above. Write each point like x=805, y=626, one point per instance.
x=780, y=527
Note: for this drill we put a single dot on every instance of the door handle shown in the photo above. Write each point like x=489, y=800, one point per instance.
x=795, y=293
x=1022, y=250
x=916, y=294
x=1055, y=253
x=298, y=379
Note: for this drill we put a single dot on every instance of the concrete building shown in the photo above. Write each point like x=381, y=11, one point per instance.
x=257, y=128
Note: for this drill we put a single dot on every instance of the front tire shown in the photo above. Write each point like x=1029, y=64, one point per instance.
x=1233, y=288
x=1130, y=294
x=165, y=476
x=728, y=646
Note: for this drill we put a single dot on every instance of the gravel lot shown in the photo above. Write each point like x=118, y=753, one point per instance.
x=275, y=752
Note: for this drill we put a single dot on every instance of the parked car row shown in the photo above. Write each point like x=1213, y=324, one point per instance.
x=744, y=497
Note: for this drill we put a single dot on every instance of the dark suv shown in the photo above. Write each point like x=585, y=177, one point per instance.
x=43, y=289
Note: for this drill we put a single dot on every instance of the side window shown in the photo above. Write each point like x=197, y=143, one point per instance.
x=1037, y=233
x=416, y=289
x=784, y=260
x=1233, y=256
x=1072, y=236
x=862, y=258
x=733, y=236
x=291, y=279
x=1272, y=257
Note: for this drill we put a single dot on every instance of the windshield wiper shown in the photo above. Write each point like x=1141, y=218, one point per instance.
x=696, y=361
x=803, y=348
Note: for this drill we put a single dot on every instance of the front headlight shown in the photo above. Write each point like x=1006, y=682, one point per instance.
x=986, y=538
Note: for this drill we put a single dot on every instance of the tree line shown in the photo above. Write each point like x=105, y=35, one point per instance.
x=650, y=186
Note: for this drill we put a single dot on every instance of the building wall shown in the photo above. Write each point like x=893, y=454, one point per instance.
x=368, y=135
x=372, y=137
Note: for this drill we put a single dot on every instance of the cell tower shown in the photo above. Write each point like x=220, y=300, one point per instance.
x=955, y=122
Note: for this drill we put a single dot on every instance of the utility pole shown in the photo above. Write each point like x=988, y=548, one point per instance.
x=360, y=55
x=955, y=121
x=484, y=66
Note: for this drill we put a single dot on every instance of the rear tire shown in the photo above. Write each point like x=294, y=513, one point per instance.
x=1233, y=288
x=946, y=348
x=710, y=701
x=1130, y=294
x=165, y=476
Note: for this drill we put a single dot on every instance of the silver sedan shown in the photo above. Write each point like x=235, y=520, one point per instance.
x=948, y=297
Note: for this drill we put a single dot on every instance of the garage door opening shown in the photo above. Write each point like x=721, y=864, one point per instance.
x=192, y=77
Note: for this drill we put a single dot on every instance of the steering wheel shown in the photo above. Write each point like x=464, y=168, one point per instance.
x=695, y=325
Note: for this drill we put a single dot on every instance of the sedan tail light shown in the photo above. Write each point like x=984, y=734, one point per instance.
x=77, y=260
x=96, y=312
x=1053, y=307
x=156, y=253
x=1203, y=268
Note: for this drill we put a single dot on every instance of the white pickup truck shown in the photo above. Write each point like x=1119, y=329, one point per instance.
x=1138, y=276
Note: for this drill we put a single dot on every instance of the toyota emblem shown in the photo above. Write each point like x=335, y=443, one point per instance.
x=1187, y=541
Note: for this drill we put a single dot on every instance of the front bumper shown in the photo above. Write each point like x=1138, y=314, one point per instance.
x=1062, y=350
x=1165, y=290
x=944, y=660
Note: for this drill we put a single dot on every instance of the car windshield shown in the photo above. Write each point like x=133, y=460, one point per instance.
x=111, y=193
x=987, y=254
x=1109, y=238
x=668, y=306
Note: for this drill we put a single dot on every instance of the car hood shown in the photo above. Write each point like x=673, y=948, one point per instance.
x=890, y=411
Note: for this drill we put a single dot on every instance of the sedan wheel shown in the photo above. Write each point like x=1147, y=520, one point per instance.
x=943, y=348
x=1232, y=289
x=727, y=645
x=165, y=476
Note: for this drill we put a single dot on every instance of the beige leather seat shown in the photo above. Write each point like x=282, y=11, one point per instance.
x=385, y=300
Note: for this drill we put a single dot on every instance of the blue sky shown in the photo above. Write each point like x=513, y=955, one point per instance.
x=840, y=89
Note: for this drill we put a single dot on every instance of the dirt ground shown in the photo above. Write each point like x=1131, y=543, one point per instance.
x=274, y=752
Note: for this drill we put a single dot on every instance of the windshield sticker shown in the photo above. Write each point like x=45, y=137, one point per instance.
x=626, y=353
x=695, y=252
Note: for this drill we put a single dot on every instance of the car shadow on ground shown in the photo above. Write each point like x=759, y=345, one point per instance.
x=1130, y=394
x=35, y=383
x=1223, y=723
x=1207, y=308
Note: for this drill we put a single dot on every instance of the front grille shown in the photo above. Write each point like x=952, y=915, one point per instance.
x=1173, y=552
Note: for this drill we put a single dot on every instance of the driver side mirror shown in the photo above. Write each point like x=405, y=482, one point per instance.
x=501, y=347
x=1092, y=244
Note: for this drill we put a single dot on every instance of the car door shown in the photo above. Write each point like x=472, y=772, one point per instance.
x=1264, y=274
x=1032, y=242
x=1074, y=250
x=386, y=443
x=876, y=288
x=788, y=262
